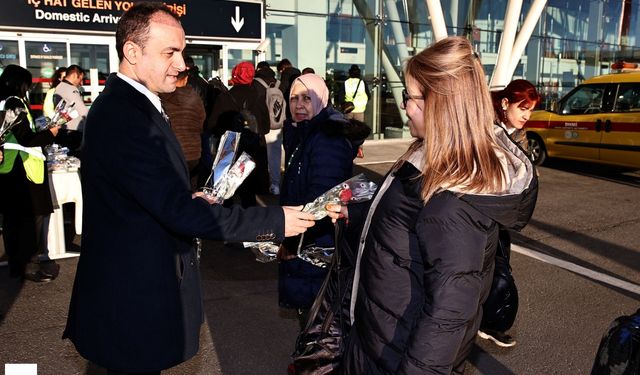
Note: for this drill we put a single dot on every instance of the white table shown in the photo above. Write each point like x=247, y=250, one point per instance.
x=65, y=188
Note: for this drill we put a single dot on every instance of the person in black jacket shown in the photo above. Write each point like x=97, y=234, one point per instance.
x=136, y=305
x=228, y=114
x=513, y=106
x=25, y=199
x=320, y=145
x=428, y=238
x=288, y=73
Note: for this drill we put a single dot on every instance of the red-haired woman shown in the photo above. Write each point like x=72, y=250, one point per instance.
x=513, y=106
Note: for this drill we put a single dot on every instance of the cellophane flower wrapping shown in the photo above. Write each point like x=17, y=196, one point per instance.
x=354, y=190
x=223, y=161
x=63, y=113
x=234, y=177
x=9, y=120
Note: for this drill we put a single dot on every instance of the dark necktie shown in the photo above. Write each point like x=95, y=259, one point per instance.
x=165, y=116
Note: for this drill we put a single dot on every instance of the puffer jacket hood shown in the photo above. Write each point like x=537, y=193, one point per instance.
x=513, y=208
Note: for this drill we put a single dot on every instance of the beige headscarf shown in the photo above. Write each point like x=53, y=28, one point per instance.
x=317, y=90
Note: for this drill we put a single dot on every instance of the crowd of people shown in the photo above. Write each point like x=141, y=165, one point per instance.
x=431, y=231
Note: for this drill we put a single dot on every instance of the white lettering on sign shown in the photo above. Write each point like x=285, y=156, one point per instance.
x=75, y=17
x=105, y=19
x=69, y=17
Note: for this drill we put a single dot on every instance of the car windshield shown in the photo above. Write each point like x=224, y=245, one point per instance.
x=584, y=100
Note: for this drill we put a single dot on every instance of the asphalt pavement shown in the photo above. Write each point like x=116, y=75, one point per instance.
x=561, y=318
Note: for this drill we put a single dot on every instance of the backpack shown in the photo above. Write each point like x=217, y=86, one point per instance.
x=275, y=104
x=245, y=119
x=619, y=350
x=501, y=307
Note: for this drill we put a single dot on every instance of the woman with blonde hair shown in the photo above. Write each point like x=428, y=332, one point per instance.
x=428, y=238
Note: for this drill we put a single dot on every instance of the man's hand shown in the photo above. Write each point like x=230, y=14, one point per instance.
x=54, y=130
x=296, y=221
x=209, y=198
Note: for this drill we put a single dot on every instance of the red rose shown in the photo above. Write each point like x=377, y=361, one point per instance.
x=345, y=195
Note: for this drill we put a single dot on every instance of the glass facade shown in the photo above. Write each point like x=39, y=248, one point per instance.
x=8, y=53
x=572, y=41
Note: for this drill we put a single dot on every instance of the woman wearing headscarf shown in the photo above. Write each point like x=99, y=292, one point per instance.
x=242, y=110
x=320, y=145
x=25, y=200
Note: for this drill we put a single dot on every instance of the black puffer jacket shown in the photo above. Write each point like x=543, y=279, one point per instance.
x=426, y=270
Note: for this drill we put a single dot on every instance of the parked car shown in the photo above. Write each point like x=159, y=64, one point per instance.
x=598, y=121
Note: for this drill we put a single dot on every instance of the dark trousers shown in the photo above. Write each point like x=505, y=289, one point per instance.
x=111, y=372
x=23, y=236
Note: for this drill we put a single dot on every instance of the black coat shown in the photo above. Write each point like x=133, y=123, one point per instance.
x=425, y=272
x=136, y=304
x=17, y=192
x=319, y=155
x=228, y=105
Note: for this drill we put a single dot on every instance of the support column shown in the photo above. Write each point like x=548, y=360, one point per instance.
x=305, y=42
x=594, y=33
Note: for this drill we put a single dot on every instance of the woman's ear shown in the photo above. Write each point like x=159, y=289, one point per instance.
x=505, y=103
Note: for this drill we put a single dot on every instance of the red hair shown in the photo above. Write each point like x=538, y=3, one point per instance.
x=515, y=92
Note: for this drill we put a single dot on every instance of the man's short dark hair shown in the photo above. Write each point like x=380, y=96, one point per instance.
x=74, y=69
x=284, y=63
x=134, y=24
x=263, y=64
x=354, y=71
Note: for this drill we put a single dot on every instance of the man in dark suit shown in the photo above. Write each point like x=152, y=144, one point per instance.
x=136, y=305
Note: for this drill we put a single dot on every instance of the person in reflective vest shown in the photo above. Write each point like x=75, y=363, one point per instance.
x=25, y=200
x=357, y=92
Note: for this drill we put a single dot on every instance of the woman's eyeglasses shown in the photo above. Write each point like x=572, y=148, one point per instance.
x=406, y=97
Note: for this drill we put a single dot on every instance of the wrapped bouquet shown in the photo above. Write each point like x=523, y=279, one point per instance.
x=353, y=190
x=226, y=175
x=63, y=113
x=9, y=120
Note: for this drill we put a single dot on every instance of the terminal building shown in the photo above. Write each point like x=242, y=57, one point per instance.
x=572, y=40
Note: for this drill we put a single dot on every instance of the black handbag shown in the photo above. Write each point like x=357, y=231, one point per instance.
x=501, y=307
x=348, y=107
x=320, y=345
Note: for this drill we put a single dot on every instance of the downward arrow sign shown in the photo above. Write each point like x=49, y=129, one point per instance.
x=237, y=22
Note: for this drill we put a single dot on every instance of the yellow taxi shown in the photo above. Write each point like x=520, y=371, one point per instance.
x=598, y=121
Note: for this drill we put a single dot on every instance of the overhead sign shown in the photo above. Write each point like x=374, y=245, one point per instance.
x=215, y=19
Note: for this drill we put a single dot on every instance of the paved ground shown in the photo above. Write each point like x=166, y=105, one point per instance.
x=561, y=318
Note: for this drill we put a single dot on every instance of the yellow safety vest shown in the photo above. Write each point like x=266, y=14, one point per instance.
x=32, y=157
x=359, y=99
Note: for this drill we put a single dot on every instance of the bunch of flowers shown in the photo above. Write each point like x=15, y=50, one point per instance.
x=62, y=114
x=354, y=190
x=9, y=120
x=226, y=175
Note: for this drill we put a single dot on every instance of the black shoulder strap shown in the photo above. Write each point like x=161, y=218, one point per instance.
x=357, y=87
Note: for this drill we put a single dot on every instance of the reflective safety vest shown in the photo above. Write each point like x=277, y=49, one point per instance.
x=32, y=157
x=359, y=98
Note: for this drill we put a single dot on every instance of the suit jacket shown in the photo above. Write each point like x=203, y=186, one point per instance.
x=136, y=304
